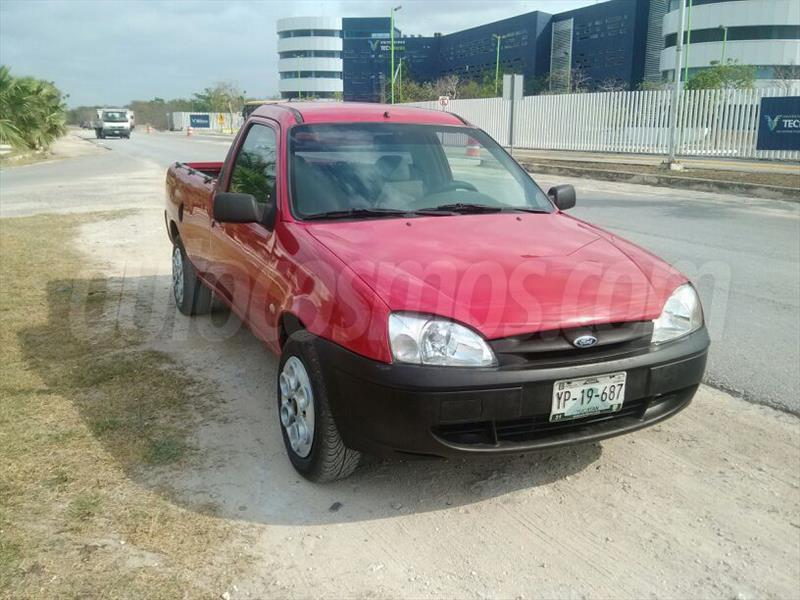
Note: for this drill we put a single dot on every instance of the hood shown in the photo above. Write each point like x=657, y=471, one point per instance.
x=503, y=274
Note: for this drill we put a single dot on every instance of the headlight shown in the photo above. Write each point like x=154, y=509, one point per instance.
x=427, y=340
x=682, y=314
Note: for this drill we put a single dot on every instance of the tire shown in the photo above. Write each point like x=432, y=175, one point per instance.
x=328, y=459
x=192, y=297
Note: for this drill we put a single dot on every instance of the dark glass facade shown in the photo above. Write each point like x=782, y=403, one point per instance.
x=608, y=41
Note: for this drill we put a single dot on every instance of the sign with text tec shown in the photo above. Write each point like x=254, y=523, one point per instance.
x=779, y=127
x=200, y=120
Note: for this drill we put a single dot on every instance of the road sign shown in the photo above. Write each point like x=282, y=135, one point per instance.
x=779, y=127
x=221, y=119
x=512, y=87
x=201, y=120
x=443, y=102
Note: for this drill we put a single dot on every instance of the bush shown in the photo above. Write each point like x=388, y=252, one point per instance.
x=730, y=75
x=32, y=112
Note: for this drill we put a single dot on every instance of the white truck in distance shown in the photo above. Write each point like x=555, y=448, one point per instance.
x=113, y=121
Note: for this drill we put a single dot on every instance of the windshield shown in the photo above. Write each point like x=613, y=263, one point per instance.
x=115, y=116
x=380, y=169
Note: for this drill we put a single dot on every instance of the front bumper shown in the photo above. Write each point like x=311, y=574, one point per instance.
x=447, y=411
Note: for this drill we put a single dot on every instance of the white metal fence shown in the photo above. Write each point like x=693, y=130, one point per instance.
x=711, y=122
x=217, y=122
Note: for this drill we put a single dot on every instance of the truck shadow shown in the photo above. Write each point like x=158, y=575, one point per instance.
x=141, y=376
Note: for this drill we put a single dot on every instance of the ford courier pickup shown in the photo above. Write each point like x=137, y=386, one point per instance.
x=425, y=296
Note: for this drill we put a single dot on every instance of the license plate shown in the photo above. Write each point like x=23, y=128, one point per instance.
x=576, y=398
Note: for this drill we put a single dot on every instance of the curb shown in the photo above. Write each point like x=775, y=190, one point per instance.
x=772, y=192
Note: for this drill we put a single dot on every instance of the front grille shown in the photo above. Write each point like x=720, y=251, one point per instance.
x=554, y=346
x=530, y=428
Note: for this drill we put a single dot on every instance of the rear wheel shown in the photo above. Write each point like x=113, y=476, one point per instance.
x=191, y=295
x=309, y=432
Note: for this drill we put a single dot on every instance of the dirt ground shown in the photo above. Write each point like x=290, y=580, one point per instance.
x=73, y=144
x=704, y=505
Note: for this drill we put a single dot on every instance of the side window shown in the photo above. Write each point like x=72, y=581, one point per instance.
x=254, y=167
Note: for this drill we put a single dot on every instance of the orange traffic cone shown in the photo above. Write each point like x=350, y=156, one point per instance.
x=189, y=130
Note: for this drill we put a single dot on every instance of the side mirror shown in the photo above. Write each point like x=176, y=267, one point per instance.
x=230, y=207
x=563, y=196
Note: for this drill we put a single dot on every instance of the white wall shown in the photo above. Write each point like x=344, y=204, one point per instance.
x=309, y=63
x=746, y=52
x=293, y=23
x=738, y=13
x=309, y=43
x=311, y=84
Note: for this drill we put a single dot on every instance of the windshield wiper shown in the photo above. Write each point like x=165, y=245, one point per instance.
x=357, y=213
x=527, y=210
x=458, y=208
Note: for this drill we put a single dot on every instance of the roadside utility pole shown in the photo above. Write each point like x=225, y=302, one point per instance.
x=497, y=62
x=688, y=42
x=724, y=41
x=391, y=50
x=676, y=92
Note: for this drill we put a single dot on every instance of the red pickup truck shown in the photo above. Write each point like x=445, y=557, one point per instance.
x=425, y=296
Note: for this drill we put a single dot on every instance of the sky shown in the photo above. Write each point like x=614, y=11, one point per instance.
x=109, y=52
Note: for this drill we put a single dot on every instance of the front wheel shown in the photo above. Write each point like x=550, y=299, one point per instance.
x=192, y=297
x=310, y=435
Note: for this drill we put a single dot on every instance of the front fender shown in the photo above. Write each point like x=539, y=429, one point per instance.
x=329, y=298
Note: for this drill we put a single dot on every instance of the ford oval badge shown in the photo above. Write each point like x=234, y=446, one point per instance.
x=585, y=341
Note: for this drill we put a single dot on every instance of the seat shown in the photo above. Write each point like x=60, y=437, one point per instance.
x=399, y=190
x=314, y=191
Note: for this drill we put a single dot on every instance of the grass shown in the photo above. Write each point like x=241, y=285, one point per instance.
x=90, y=422
x=83, y=507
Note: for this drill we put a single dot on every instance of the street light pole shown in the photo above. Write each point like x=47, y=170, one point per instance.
x=724, y=41
x=688, y=42
x=391, y=51
x=400, y=77
x=497, y=62
x=676, y=92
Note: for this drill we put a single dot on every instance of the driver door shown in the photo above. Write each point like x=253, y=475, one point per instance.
x=242, y=257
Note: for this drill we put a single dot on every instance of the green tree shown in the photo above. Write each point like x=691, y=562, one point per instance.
x=225, y=96
x=653, y=86
x=32, y=111
x=154, y=112
x=730, y=75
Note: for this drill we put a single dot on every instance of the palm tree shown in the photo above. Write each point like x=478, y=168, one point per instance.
x=32, y=112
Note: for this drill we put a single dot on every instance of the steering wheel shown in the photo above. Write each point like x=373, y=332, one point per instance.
x=456, y=184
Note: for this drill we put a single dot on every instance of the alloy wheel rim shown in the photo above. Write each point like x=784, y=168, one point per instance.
x=177, y=275
x=297, y=406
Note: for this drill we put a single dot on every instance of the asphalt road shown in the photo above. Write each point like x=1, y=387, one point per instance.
x=743, y=254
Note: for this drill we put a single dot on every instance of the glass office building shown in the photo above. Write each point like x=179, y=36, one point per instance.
x=617, y=42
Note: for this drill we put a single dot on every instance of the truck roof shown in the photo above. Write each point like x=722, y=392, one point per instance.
x=357, y=112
